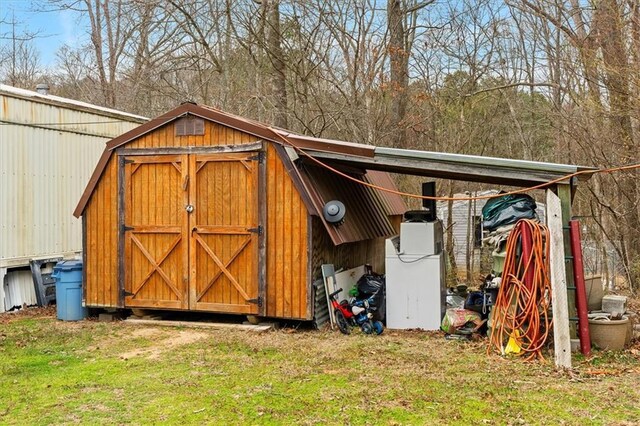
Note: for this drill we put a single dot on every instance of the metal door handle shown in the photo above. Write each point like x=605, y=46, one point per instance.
x=189, y=208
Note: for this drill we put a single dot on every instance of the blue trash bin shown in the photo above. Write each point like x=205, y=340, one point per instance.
x=68, y=276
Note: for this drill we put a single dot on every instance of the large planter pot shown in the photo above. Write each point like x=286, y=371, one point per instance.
x=609, y=334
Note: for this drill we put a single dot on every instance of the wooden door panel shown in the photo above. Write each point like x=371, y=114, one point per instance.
x=156, y=232
x=224, y=233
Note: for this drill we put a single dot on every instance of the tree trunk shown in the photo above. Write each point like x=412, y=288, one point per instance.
x=278, y=86
x=399, y=77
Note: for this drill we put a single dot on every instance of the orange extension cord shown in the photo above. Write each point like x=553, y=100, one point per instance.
x=520, y=312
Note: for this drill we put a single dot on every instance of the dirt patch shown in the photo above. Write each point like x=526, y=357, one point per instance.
x=159, y=346
x=146, y=332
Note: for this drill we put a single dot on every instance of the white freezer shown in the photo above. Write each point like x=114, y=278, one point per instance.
x=415, y=289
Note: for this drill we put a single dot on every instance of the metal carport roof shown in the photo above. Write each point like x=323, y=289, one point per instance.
x=471, y=168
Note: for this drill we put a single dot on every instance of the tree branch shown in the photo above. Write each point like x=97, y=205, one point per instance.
x=507, y=86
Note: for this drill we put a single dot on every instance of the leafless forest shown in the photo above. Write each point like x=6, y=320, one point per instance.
x=548, y=80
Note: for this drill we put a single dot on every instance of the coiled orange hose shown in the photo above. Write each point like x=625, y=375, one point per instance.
x=521, y=311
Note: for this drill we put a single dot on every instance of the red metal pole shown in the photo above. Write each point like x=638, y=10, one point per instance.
x=581, y=293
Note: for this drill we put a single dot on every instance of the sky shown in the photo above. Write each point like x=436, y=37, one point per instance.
x=54, y=28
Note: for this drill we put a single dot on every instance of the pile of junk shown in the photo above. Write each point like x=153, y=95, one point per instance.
x=469, y=313
x=513, y=303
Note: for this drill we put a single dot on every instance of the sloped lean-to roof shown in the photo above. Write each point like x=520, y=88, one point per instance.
x=470, y=168
x=367, y=209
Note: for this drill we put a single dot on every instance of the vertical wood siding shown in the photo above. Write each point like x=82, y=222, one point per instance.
x=214, y=135
x=102, y=241
x=287, y=234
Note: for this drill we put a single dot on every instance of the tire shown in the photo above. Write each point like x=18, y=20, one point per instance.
x=342, y=322
x=366, y=327
x=378, y=327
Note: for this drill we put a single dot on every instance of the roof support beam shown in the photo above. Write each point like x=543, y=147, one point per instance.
x=485, y=173
x=564, y=193
x=561, y=336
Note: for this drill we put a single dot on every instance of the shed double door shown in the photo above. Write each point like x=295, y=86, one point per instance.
x=190, y=232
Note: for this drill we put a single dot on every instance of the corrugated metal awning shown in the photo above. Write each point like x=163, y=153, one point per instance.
x=471, y=168
x=368, y=209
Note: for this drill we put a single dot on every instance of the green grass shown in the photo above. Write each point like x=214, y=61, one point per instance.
x=114, y=373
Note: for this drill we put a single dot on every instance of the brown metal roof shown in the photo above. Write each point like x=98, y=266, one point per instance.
x=368, y=209
x=393, y=202
x=236, y=122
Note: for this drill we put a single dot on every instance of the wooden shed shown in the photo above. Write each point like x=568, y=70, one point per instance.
x=202, y=210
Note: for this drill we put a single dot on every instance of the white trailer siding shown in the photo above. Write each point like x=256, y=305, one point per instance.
x=49, y=147
x=460, y=218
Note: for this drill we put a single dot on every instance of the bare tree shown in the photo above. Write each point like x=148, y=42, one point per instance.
x=19, y=59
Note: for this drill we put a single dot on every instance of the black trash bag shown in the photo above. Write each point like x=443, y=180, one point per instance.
x=508, y=209
x=370, y=284
x=372, y=287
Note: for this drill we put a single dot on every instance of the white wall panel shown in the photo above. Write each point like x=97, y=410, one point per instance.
x=47, y=155
x=19, y=290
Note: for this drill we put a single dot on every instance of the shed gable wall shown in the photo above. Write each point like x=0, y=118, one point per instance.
x=214, y=135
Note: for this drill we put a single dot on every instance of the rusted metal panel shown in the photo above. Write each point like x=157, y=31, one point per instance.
x=48, y=147
x=366, y=216
x=393, y=203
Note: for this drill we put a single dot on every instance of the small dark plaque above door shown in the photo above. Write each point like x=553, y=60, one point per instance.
x=189, y=126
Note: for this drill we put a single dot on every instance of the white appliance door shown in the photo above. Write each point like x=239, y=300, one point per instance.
x=414, y=292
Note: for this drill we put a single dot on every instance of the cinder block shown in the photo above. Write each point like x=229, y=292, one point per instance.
x=152, y=317
x=614, y=304
x=106, y=317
